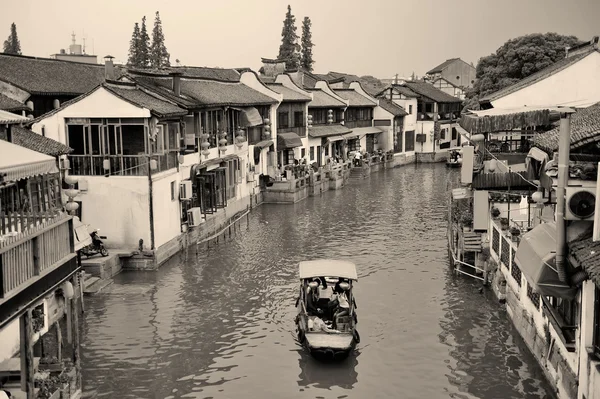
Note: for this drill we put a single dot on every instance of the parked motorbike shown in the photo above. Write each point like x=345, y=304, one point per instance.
x=96, y=247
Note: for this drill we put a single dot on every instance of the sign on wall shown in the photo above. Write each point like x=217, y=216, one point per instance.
x=468, y=158
x=481, y=206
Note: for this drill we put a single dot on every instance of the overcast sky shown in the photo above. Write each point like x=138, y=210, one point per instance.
x=376, y=37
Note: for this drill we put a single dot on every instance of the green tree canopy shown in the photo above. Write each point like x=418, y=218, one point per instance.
x=144, y=46
x=307, y=61
x=515, y=60
x=289, y=48
x=159, y=56
x=12, y=44
x=134, y=43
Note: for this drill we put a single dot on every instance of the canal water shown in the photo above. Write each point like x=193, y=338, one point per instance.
x=219, y=324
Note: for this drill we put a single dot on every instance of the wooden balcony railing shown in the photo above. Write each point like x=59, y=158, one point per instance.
x=121, y=165
x=25, y=254
x=356, y=124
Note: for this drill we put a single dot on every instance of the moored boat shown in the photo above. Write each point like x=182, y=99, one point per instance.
x=326, y=319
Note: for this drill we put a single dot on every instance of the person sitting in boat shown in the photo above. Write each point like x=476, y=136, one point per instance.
x=312, y=299
x=343, y=308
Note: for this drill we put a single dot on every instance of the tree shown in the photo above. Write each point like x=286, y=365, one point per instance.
x=12, y=44
x=134, y=45
x=515, y=60
x=159, y=57
x=289, y=48
x=144, y=46
x=307, y=61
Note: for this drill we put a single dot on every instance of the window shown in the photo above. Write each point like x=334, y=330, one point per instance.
x=454, y=133
x=312, y=153
x=298, y=119
x=172, y=191
x=283, y=120
x=398, y=142
x=354, y=145
x=409, y=141
x=302, y=152
x=410, y=109
x=442, y=134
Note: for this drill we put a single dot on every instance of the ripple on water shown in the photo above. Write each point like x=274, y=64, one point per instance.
x=219, y=324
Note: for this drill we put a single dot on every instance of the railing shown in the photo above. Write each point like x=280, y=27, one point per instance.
x=355, y=124
x=121, y=165
x=29, y=253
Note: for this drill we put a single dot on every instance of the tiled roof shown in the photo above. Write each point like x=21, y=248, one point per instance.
x=427, y=90
x=142, y=98
x=327, y=130
x=288, y=94
x=266, y=79
x=48, y=76
x=36, y=142
x=309, y=81
x=222, y=74
x=538, y=76
x=322, y=99
x=392, y=107
x=585, y=128
x=405, y=91
x=355, y=98
x=8, y=118
x=8, y=104
x=443, y=65
x=587, y=253
x=202, y=93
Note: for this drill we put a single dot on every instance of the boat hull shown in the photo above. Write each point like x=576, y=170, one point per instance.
x=328, y=346
x=453, y=165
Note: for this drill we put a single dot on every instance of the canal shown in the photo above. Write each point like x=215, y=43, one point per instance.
x=219, y=324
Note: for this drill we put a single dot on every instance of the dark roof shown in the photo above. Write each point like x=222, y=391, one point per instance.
x=143, y=98
x=323, y=99
x=9, y=118
x=49, y=76
x=8, y=104
x=586, y=252
x=288, y=94
x=585, y=128
x=308, y=80
x=392, y=107
x=355, y=98
x=36, y=142
x=327, y=130
x=538, y=76
x=222, y=74
x=400, y=90
x=425, y=89
x=266, y=79
x=203, y=93
x=443, y=65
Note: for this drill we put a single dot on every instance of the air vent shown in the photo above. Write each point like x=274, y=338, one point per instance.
x=581, y=204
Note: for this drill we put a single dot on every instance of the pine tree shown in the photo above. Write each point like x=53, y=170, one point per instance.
x=289, y=48
x=159, y=57
x=12, y=44
x=307, y=61
x=144, y=46
x=134, y=45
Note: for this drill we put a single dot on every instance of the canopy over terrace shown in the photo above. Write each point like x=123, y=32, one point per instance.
x=18, y=163
x=506, y=119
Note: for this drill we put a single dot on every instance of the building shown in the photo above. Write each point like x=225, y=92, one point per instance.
x=39, y=282
x=358, y=117
x=42, y=84
x=449, y=87
x=76, y=54
x=573, y=81
x=455, y=71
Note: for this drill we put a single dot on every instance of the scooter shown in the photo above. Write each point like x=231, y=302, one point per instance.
x=96, y=247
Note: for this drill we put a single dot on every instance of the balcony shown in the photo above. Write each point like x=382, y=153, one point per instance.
x=121, y=165
x=30, y=248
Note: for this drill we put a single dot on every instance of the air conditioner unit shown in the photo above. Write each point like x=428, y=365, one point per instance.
x=194, y=217
x=185, y=190
x=580, y=203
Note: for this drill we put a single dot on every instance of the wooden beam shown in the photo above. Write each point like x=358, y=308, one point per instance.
x=27, y=366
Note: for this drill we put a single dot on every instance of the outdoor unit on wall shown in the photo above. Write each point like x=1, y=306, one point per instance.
x=194, y=217
x=580, y=203
x=185, y=190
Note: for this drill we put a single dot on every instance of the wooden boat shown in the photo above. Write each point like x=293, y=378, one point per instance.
x=454, y=159
x=328, y=276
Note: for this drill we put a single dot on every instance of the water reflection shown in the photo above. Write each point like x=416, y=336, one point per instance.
x=326, y=375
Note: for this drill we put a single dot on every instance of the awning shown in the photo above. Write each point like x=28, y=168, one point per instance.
x=263, y=144
x=82, y=235
x=8, y=118
x=334, y=129
x=505, y=119
x=352, y=135
x=287, y=140
x=250, y=117
x=18, y=162
x=361, y=131
x=538, y=155
x=536, y=257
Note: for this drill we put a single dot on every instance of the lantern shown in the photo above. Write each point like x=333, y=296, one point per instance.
x=66, y=164
x=206, y=153
x=72, y=206
x=477, y=138
x=538, y=197
x=68, y=291
x=267, y=130
x=240, y=138
x=106, y=164
x=56, y=104
x=153, y=164
x=309, y=120
x=330, y=116
x=493, y=165
x=180, y=158
x=71, y=193
x=70, y=180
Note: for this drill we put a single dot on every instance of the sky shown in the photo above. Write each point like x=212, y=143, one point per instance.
x=378, y=37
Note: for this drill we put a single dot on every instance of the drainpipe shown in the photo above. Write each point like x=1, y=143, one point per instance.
x=564, y=145
x=150, y=204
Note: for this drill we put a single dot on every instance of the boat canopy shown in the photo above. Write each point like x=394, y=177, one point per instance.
x=327, y=268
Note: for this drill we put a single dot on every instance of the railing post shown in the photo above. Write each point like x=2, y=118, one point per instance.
x=1, y=276
x=35, y=244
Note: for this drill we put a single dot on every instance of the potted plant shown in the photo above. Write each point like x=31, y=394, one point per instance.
x=504, y=223
x=467, y=219
x=50, y=363
x=495, y=213
x=515, y=233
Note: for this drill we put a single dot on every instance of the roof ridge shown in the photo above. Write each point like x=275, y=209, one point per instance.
x=31, y=57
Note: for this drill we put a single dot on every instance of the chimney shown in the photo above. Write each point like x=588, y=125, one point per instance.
x=176, y=77
x=567, y=51
x=109, y=68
